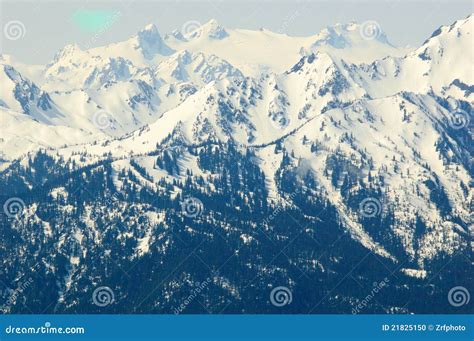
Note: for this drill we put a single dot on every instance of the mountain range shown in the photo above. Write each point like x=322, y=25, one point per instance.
x=244, y=159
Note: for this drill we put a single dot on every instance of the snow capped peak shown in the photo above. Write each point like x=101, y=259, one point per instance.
x=150, y=27
x=149, y=41
x=212, y=22
x=354, y=42
x=457, y=28
x=314, y=130
x=341, y=36
x=11, y=72
x=331, y=36
x=211, y=30
x=63, y=60
x=195, y=67
x=444, y=56
x=5, y=59
x=67, y=51
x=21, y=95
x=149, y=33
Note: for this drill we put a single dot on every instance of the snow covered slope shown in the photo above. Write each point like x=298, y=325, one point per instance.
x=405, y=142
x=20, y=134
x=443, y=64
x=20, y=94
x=294, y=142
x=380, y=111
x=260, y=51
x=97, y=92
x=121, y=87
x=145, y=48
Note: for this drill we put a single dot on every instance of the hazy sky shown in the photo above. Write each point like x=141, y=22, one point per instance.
x=44, y=27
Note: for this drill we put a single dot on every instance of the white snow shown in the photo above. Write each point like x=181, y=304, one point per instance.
x=335, y=90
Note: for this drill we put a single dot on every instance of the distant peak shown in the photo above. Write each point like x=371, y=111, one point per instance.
x=71, y=48
x=149, y=32
x=212, y=22
x=211, y=29
x=150, y=42
x=67, y=51
x=351, y=34
x=349, y=27
x=214, y=30
x=150, y=27
x=5, y=58
x=459, y=25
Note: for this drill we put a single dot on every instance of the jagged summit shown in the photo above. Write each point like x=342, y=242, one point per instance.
x=149, y=34
x=150, y=42
x=350, y=34
x=355, y=42
x=458, y=24
x=69, y=50
x=211, y=30
x=6, y=58
x=338, y=148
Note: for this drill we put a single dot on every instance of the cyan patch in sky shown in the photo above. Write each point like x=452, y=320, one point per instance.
x=93, y=21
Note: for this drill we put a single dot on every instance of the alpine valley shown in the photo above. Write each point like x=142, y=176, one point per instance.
x=199, y=171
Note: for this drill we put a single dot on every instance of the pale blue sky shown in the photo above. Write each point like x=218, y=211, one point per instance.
x=49, y=25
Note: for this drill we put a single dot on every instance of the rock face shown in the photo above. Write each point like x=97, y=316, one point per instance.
x=329, y=178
